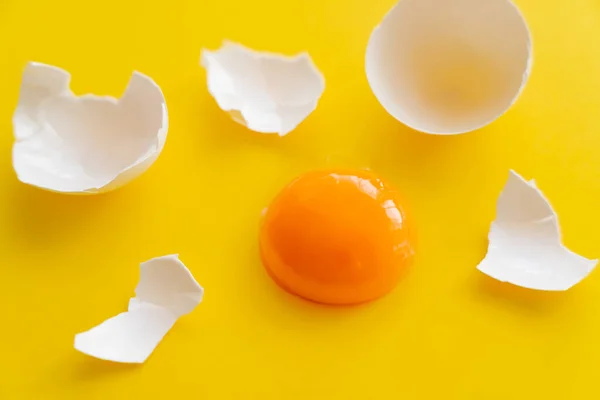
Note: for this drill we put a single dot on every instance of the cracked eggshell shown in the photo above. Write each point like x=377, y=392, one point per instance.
x=85, y=144
x=266, y=92
x=449, y=66
x=166, y=291
x=525, y=246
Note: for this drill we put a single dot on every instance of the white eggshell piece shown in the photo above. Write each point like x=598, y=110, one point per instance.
x=85, y=144
x=449, y=66
x=268, y=93
x=166, y=291
x=525, y=246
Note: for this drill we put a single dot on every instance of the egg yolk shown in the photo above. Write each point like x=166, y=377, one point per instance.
x=336, y=237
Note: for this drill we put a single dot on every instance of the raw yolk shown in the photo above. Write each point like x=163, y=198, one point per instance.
x=336, y=237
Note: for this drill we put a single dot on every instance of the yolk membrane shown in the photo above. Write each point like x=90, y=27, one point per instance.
x=336, y=237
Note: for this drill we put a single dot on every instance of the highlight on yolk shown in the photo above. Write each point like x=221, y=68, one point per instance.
x=336, y=237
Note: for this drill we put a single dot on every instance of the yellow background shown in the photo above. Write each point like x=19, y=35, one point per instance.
x=447, y=331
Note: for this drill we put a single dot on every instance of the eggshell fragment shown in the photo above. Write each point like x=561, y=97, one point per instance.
x=525, y=246
x=86, y=144
x=268, y=93
x=166, y=291
x=449, y=66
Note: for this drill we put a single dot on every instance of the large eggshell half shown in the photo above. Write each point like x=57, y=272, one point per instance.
x=266, y=92
x=449, y=66
x=86, y=144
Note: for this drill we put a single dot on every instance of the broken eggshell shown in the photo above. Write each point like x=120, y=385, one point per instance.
x=166, y=291
x=266, y=92
x=525, y=246
x=86, y=144
x=449, y=66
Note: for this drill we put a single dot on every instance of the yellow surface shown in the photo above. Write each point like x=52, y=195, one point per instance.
x=447, y=331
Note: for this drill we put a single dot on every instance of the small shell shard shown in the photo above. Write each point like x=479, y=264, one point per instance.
x=268, y=93
x=166, y=291
x=525, y=246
